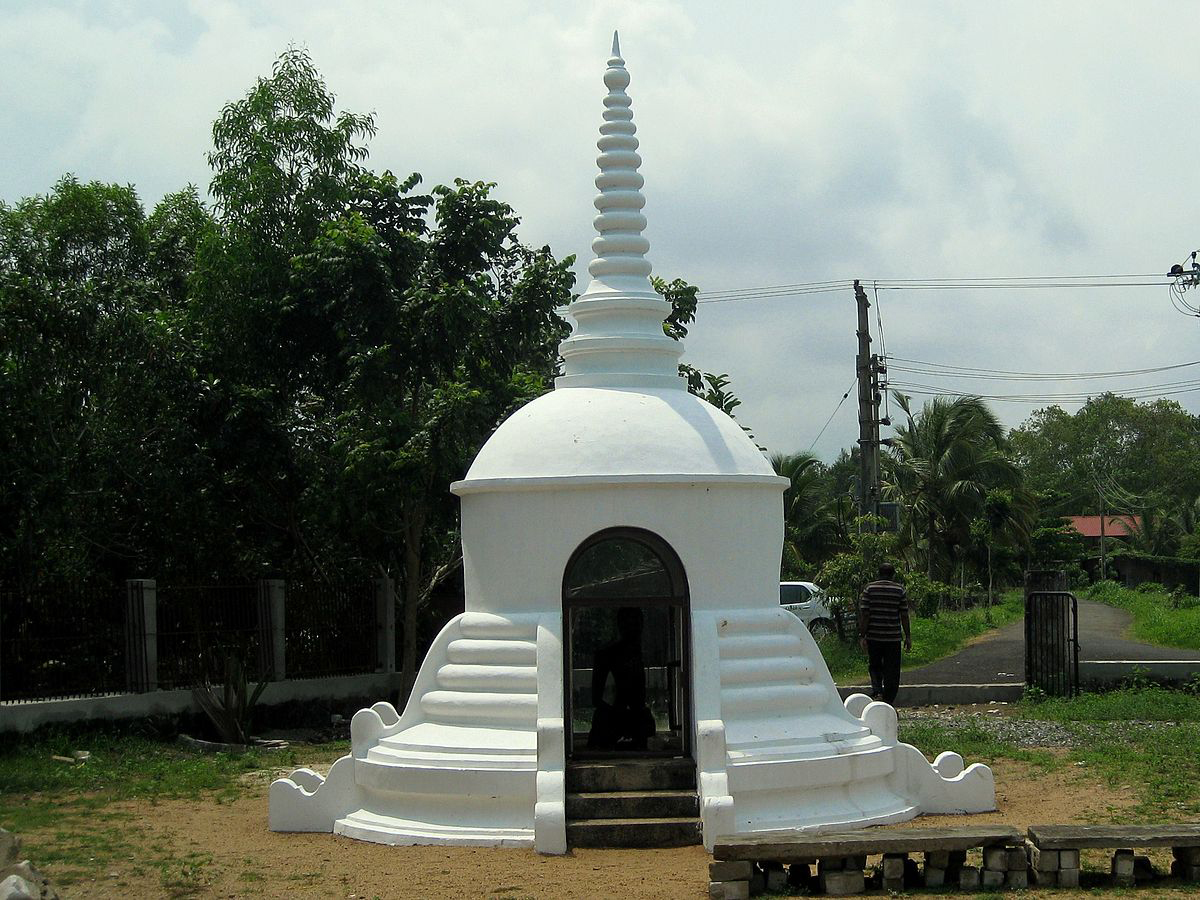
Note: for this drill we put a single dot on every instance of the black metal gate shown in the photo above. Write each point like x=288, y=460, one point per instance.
x=1051, y=635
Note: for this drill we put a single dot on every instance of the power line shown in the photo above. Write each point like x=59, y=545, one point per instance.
x=1144, y=392
x=1000, y=282
x=942, y=370
x=832, y=414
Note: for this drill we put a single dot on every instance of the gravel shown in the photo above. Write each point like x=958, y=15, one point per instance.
x=998, y=721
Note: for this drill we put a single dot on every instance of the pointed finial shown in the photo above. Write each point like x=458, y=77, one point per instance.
x=618, y=337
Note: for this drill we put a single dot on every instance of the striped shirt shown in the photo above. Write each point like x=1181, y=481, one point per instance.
x=880, y=608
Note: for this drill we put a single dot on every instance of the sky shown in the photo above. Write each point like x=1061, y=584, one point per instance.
x=782, y=143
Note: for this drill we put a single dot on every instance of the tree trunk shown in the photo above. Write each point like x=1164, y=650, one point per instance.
x=414, y=528
x=929, y=543
x=989, y=546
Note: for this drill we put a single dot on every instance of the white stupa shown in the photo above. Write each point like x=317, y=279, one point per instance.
x=617, y=490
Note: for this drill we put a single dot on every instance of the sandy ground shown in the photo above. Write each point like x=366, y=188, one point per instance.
x=238, y=857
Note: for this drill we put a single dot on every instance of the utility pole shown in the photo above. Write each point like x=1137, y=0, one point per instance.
x=1103, y=537
x=867, y=367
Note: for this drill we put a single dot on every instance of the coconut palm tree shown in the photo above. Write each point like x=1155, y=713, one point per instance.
x=941, y=466
x=811, y=516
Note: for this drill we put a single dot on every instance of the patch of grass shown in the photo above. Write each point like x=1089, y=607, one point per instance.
x=934, y=637
x=1147, y=704
x=65, y=814
x=1158, y=764
x=122, y=767
x=1158, y=618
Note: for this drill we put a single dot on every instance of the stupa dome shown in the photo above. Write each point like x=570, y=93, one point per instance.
x=594, y=435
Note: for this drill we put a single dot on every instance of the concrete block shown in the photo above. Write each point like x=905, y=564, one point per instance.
x=892, y=885
x=1017, y=879
x=1045, y=860
x=968, y=877
x=995, y=858
x=1017, y=860
x=729, y=890
x=758, y=882
x=1043, y=879
x=830, y=864
x=799, y=874
x=730, y=870
x=842, y=884
x=1189, y=855
x=776, y=880
x=893, y=865
x=934, y=877
x=938, y=859
x=1068, y=859
x=1123, y=880
x=1068, y=878
x=990, y=878
x=1122, y=863
x=856, y=863
x=1143, y=869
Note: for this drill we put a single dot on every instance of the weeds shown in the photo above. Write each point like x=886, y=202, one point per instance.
x=1167, y=619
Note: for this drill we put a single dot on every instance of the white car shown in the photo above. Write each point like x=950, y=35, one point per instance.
x=806, y=601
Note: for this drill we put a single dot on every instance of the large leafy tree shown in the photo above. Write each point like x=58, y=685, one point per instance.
x=97, y=385
x=944, y=461
x=444, y=329
x=368, y=338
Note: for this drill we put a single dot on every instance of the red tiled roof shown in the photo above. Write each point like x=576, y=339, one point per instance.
x=1114, y=526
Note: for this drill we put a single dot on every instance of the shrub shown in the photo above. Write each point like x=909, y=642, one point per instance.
x=1150, y=587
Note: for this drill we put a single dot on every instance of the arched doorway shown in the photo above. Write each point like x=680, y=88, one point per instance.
x=627, y=666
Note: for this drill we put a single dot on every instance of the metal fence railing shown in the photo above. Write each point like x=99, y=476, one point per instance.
x=84, y=639
x=64, y=640
x=331, y=628
x=199, y=625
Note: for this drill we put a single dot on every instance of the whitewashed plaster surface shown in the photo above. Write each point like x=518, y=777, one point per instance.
x=478, y=755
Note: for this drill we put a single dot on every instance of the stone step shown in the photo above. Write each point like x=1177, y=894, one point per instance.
x=666, y=832
x=633, y=805
x=666, y=774
x=754, y=670
x=479, y=652
x=468, y=708
x=779, y=645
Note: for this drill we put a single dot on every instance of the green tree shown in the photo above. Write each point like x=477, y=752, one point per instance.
x=814, y=520
x=444, y=332
x=943, y=462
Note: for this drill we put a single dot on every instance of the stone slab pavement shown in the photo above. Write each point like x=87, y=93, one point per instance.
x=999, y=657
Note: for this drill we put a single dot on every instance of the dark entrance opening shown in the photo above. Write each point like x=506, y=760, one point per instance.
x=625, y=611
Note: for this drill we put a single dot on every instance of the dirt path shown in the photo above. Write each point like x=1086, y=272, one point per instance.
x=999, y=657
x=225, y=850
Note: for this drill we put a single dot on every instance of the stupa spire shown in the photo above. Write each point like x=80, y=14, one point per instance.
x=618, y=338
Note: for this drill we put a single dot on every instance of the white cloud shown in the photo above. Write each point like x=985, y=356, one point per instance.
x=782, y=143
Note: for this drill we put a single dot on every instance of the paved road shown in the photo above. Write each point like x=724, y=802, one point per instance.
x=1000, y=657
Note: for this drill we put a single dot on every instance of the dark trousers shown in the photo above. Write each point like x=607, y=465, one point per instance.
x=883, y=661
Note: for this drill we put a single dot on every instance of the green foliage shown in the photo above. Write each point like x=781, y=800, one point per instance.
x=928, y=597
x=845, y=574
x=1143, y=701
x=1159, y=618
x=945, y=463
x=814, y=522
x=230, y=704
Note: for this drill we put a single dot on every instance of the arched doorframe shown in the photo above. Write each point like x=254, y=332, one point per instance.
x=656, y=581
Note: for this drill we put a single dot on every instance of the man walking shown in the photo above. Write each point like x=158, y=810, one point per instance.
x=882, y=620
